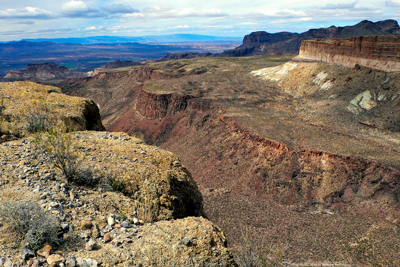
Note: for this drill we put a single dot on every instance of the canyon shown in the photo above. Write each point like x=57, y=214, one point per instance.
x=275, y=143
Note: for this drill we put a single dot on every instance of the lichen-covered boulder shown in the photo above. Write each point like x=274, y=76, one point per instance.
x=31, y=107
x=160, y=187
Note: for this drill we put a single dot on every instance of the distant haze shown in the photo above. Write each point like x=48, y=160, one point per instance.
x=25, y=19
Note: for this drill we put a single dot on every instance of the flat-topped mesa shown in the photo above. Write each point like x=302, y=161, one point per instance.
x=378, y=52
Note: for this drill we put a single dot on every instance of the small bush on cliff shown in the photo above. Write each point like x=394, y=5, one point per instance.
x=39, y=118
x=66, y=158
x=29, y=226
x=251, y=254
x=2, y=107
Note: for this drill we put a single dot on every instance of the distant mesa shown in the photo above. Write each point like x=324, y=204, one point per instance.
x=178, y=56
x=261, y=43
x=44, y=71
x=120, y=64
x=378, y=52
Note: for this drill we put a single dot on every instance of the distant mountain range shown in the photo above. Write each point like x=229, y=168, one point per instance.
x=172, y=38
x=264, y=43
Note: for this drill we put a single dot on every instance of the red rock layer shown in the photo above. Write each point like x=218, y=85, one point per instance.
x=379, y=52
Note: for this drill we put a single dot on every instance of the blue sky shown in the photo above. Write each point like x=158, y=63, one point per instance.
x=21, y=19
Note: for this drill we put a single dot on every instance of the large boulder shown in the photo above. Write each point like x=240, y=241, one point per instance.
x=27, y=105
x=158, y=186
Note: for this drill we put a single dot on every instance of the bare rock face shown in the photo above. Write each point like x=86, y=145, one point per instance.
x=379, y=52
x=262, y=43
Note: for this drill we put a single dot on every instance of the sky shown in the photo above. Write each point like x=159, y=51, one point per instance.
x=22, y=19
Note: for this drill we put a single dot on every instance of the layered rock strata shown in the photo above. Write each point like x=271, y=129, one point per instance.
x=379, y=52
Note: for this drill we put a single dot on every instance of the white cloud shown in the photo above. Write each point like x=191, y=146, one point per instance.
x=91, y=28
x=180, y=27
x=25, y=13
x=26, y=22
x=75, y=5
x=119, y=9
x=164, y=12
x=392, y=3
x=248, y=23
x=290, y=21
x=340, y=6
x=79, y=9
x=134, y=15
x=276, y=13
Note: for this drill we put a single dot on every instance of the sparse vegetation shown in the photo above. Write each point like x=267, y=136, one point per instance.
x=117, y=185
x=28, y=225
x=251, y=253
x=2, y=107
x=39, y=118
x=66, y=158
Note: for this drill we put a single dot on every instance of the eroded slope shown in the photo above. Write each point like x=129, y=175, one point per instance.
x=308, y=135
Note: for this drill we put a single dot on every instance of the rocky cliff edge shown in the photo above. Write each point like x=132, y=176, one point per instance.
x=144, y=210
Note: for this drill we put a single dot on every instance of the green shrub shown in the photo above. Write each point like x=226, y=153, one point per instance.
x=30, y=226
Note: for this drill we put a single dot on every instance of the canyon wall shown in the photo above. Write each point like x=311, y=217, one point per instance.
x=378, y=52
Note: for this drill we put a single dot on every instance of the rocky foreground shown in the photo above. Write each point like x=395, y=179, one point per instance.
x=133, y=205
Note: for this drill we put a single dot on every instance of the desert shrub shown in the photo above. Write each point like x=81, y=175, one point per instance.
x=253, y=254
x=117, y=184
x=39, y=118
x=66, y=158
x=85, y=177
x=2, y=107
x=30, y=226
x=59, y=146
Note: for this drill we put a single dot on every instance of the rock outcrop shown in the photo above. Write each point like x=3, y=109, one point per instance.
x=177, y=56
x=262, y=43
x=379, y=52
x=146, y=206
x=27, y=104
x=120, y=64
x=132, y=205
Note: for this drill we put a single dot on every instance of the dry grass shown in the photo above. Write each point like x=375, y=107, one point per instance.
x=311, y=238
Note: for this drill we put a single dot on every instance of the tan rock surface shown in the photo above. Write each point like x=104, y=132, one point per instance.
x=25, y=100
x=184, y=242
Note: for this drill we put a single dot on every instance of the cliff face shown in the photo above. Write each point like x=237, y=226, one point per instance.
x=379, y=52
x=262, y=43
x=157, y=106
